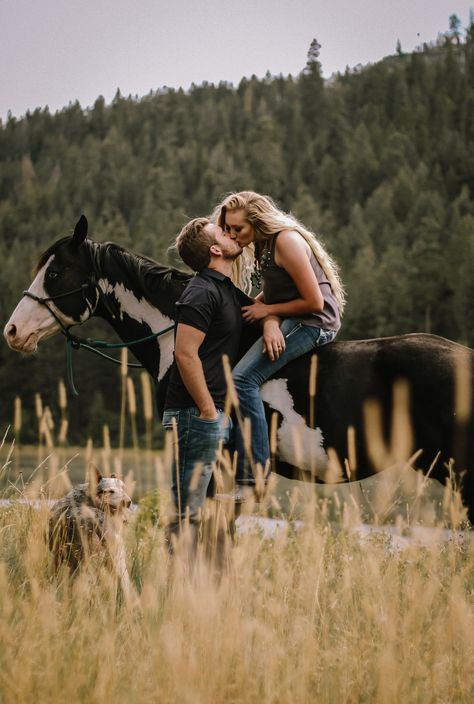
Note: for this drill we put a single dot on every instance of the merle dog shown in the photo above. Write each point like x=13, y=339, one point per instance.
x=86, y=524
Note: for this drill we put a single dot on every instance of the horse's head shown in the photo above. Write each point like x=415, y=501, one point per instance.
x=63, y=293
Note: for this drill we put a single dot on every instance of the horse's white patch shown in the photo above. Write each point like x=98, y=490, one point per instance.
x=38, y=289
x=144, y=312
x=33, y=320
x=298, y=444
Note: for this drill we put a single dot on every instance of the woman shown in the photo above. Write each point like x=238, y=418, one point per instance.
x=301, y=288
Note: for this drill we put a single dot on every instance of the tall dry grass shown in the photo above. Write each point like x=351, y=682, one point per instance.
x=312, y=613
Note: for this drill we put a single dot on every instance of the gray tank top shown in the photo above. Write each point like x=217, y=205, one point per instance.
x=279, y=287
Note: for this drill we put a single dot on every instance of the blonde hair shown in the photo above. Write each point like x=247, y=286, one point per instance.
x=266, y=220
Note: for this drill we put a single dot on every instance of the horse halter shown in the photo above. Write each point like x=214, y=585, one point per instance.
x=76, y=342
x=81, y=289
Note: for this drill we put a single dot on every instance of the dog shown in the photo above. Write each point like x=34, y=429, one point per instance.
x=86, y=525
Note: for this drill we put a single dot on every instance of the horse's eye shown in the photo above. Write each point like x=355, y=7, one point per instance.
x=53, y=274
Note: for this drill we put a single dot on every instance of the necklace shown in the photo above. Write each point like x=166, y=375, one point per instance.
x=261, y=265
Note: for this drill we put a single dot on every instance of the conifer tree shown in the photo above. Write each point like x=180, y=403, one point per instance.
x=378, y=162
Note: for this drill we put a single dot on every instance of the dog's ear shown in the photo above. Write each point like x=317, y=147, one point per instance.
x=93, y=478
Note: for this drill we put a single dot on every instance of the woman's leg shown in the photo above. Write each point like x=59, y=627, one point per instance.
x=249, y=374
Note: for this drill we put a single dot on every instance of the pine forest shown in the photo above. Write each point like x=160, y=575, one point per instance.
x=377, y=161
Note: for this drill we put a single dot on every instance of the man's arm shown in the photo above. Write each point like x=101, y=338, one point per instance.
x=188, y=342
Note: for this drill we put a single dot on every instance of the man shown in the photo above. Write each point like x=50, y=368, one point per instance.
x=208, y=325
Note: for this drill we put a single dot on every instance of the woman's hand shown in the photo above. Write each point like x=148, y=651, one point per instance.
x=257, y=311
x=273, y=339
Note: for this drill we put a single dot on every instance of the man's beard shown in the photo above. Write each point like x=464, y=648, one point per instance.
x=231, y=256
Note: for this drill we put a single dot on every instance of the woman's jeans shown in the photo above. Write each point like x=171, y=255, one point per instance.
x=193, y=456
x=249, y=375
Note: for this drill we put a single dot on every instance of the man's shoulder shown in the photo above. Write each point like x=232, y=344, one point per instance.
x=201, y=293
x=197, y=286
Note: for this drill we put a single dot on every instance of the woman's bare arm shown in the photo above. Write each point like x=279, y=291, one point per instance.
x=292, y=253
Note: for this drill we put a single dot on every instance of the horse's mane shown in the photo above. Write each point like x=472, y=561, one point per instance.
x=160, y=285
x=145, y=264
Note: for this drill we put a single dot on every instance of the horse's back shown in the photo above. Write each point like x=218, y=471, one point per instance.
x=350, y=373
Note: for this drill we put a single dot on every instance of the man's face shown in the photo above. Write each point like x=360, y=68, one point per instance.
x=230, y=249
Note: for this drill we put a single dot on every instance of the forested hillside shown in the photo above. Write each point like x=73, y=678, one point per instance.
x=379, y=162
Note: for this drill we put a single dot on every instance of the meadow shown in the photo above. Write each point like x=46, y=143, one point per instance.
x=326, y=594
x=312, y=612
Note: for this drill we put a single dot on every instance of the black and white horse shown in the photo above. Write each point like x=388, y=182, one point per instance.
x=77, y=279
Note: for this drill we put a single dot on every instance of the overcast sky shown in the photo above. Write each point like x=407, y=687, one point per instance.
x=56, y=51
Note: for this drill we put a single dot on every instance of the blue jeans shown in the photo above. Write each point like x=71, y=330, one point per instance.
x=196, y=447
x=249, y=375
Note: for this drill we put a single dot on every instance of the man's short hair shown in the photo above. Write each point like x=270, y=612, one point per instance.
x=193, y=244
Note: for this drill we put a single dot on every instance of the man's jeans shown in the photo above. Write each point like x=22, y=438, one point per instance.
x=249, y=375
x=195, y=450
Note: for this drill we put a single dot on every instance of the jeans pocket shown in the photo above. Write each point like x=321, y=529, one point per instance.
x=325, y=337
x=167, y=421
x=218, y=428
x=206, y=426
x=204, y=438
x=205, y=421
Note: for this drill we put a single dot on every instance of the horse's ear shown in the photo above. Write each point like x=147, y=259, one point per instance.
x=80, y=231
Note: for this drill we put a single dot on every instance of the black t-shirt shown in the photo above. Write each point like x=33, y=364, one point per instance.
x=211, y=303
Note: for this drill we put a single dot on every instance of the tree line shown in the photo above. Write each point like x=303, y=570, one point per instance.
x=378, y=161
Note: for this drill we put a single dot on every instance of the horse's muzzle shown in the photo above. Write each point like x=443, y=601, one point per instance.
x=18, y=343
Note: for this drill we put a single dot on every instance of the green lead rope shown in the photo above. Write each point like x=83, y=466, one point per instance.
x=76, y=343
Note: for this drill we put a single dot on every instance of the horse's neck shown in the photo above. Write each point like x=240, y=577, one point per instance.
x=136, y=292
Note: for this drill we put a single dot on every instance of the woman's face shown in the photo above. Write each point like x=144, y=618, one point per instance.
x=238, y=228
